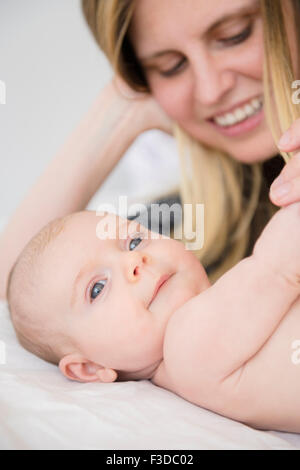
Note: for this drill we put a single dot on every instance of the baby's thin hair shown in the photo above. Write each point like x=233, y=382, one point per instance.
x=35, y=247
x=27, y=318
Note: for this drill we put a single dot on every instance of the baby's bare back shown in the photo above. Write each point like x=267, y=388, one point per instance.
x=235, y=348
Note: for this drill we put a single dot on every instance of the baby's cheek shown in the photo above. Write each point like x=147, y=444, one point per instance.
x=196, y=273
x=188, y=284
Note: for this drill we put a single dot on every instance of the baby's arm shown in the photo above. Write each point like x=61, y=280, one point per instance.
x=216, y=332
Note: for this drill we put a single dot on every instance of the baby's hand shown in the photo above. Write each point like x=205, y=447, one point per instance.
x=278, y=247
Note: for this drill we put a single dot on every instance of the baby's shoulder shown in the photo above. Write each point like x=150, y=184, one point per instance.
x=184, y=358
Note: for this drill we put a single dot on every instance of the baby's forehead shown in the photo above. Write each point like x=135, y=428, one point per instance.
x=89, y=226
x=114, y=227
x=82, y=231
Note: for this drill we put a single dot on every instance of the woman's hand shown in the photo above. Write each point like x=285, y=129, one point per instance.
x=153, y=116
x=285, y=189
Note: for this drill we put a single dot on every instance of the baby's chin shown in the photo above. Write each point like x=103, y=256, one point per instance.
x=179, y=289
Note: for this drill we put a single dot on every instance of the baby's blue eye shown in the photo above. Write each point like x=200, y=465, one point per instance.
x=132, y=241
x=99, y=285
x=96, y=289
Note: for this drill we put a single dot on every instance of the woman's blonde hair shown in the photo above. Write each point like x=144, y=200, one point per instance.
x=235, y=195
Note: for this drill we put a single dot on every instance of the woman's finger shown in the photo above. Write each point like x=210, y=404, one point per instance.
x=290, y=170
x=286, y=193
x=290, y=140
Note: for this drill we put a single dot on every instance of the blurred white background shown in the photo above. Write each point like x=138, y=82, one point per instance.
x=53, y=70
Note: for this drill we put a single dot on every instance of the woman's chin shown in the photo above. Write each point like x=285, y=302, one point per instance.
x=257, y=148
x=256, y=154
x=253, y=147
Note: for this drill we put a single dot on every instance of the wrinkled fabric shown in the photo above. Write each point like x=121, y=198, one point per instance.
x=40, y=409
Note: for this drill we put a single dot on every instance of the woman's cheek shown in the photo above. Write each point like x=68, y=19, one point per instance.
x=254, y=66
x=251, y=64
x=174, y=96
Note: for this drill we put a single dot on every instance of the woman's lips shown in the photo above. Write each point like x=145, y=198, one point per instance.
x=241, y=127
x=162, y=280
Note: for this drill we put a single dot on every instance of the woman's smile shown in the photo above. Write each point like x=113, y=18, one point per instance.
x=240, y=119
x=215, y=92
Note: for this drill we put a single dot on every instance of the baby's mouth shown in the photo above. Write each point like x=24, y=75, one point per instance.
x=162, y=280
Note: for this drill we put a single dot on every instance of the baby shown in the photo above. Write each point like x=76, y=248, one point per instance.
x=133, y=305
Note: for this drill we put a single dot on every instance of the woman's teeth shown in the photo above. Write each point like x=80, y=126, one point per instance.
x=240, y=114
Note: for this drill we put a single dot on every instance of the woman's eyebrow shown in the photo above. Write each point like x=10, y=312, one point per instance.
x=242, y=10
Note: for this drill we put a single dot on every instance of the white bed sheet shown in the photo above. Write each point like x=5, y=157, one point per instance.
x=40, y=409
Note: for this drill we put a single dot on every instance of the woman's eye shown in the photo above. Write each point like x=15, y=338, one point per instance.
x=173, y=71
x=96, y=289
x=238, y=38
x=133, y=242
x=231, y=41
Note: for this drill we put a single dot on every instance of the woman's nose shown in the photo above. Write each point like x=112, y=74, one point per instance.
x=135, y=262
x=212, y=81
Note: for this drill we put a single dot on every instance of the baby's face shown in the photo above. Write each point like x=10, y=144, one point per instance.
x=102, y=291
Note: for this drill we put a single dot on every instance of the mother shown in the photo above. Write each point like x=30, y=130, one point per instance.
x=194, y=68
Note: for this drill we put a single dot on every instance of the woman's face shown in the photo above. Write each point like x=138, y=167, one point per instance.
x=203, y=61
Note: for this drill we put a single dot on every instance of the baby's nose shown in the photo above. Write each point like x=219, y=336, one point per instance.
x=135, y=264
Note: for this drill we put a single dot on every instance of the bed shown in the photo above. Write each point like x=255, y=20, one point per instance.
x=40, y=409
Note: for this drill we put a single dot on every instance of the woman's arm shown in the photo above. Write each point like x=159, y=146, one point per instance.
x=80, y=167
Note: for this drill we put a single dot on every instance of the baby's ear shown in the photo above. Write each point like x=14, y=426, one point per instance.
x=76, y=367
